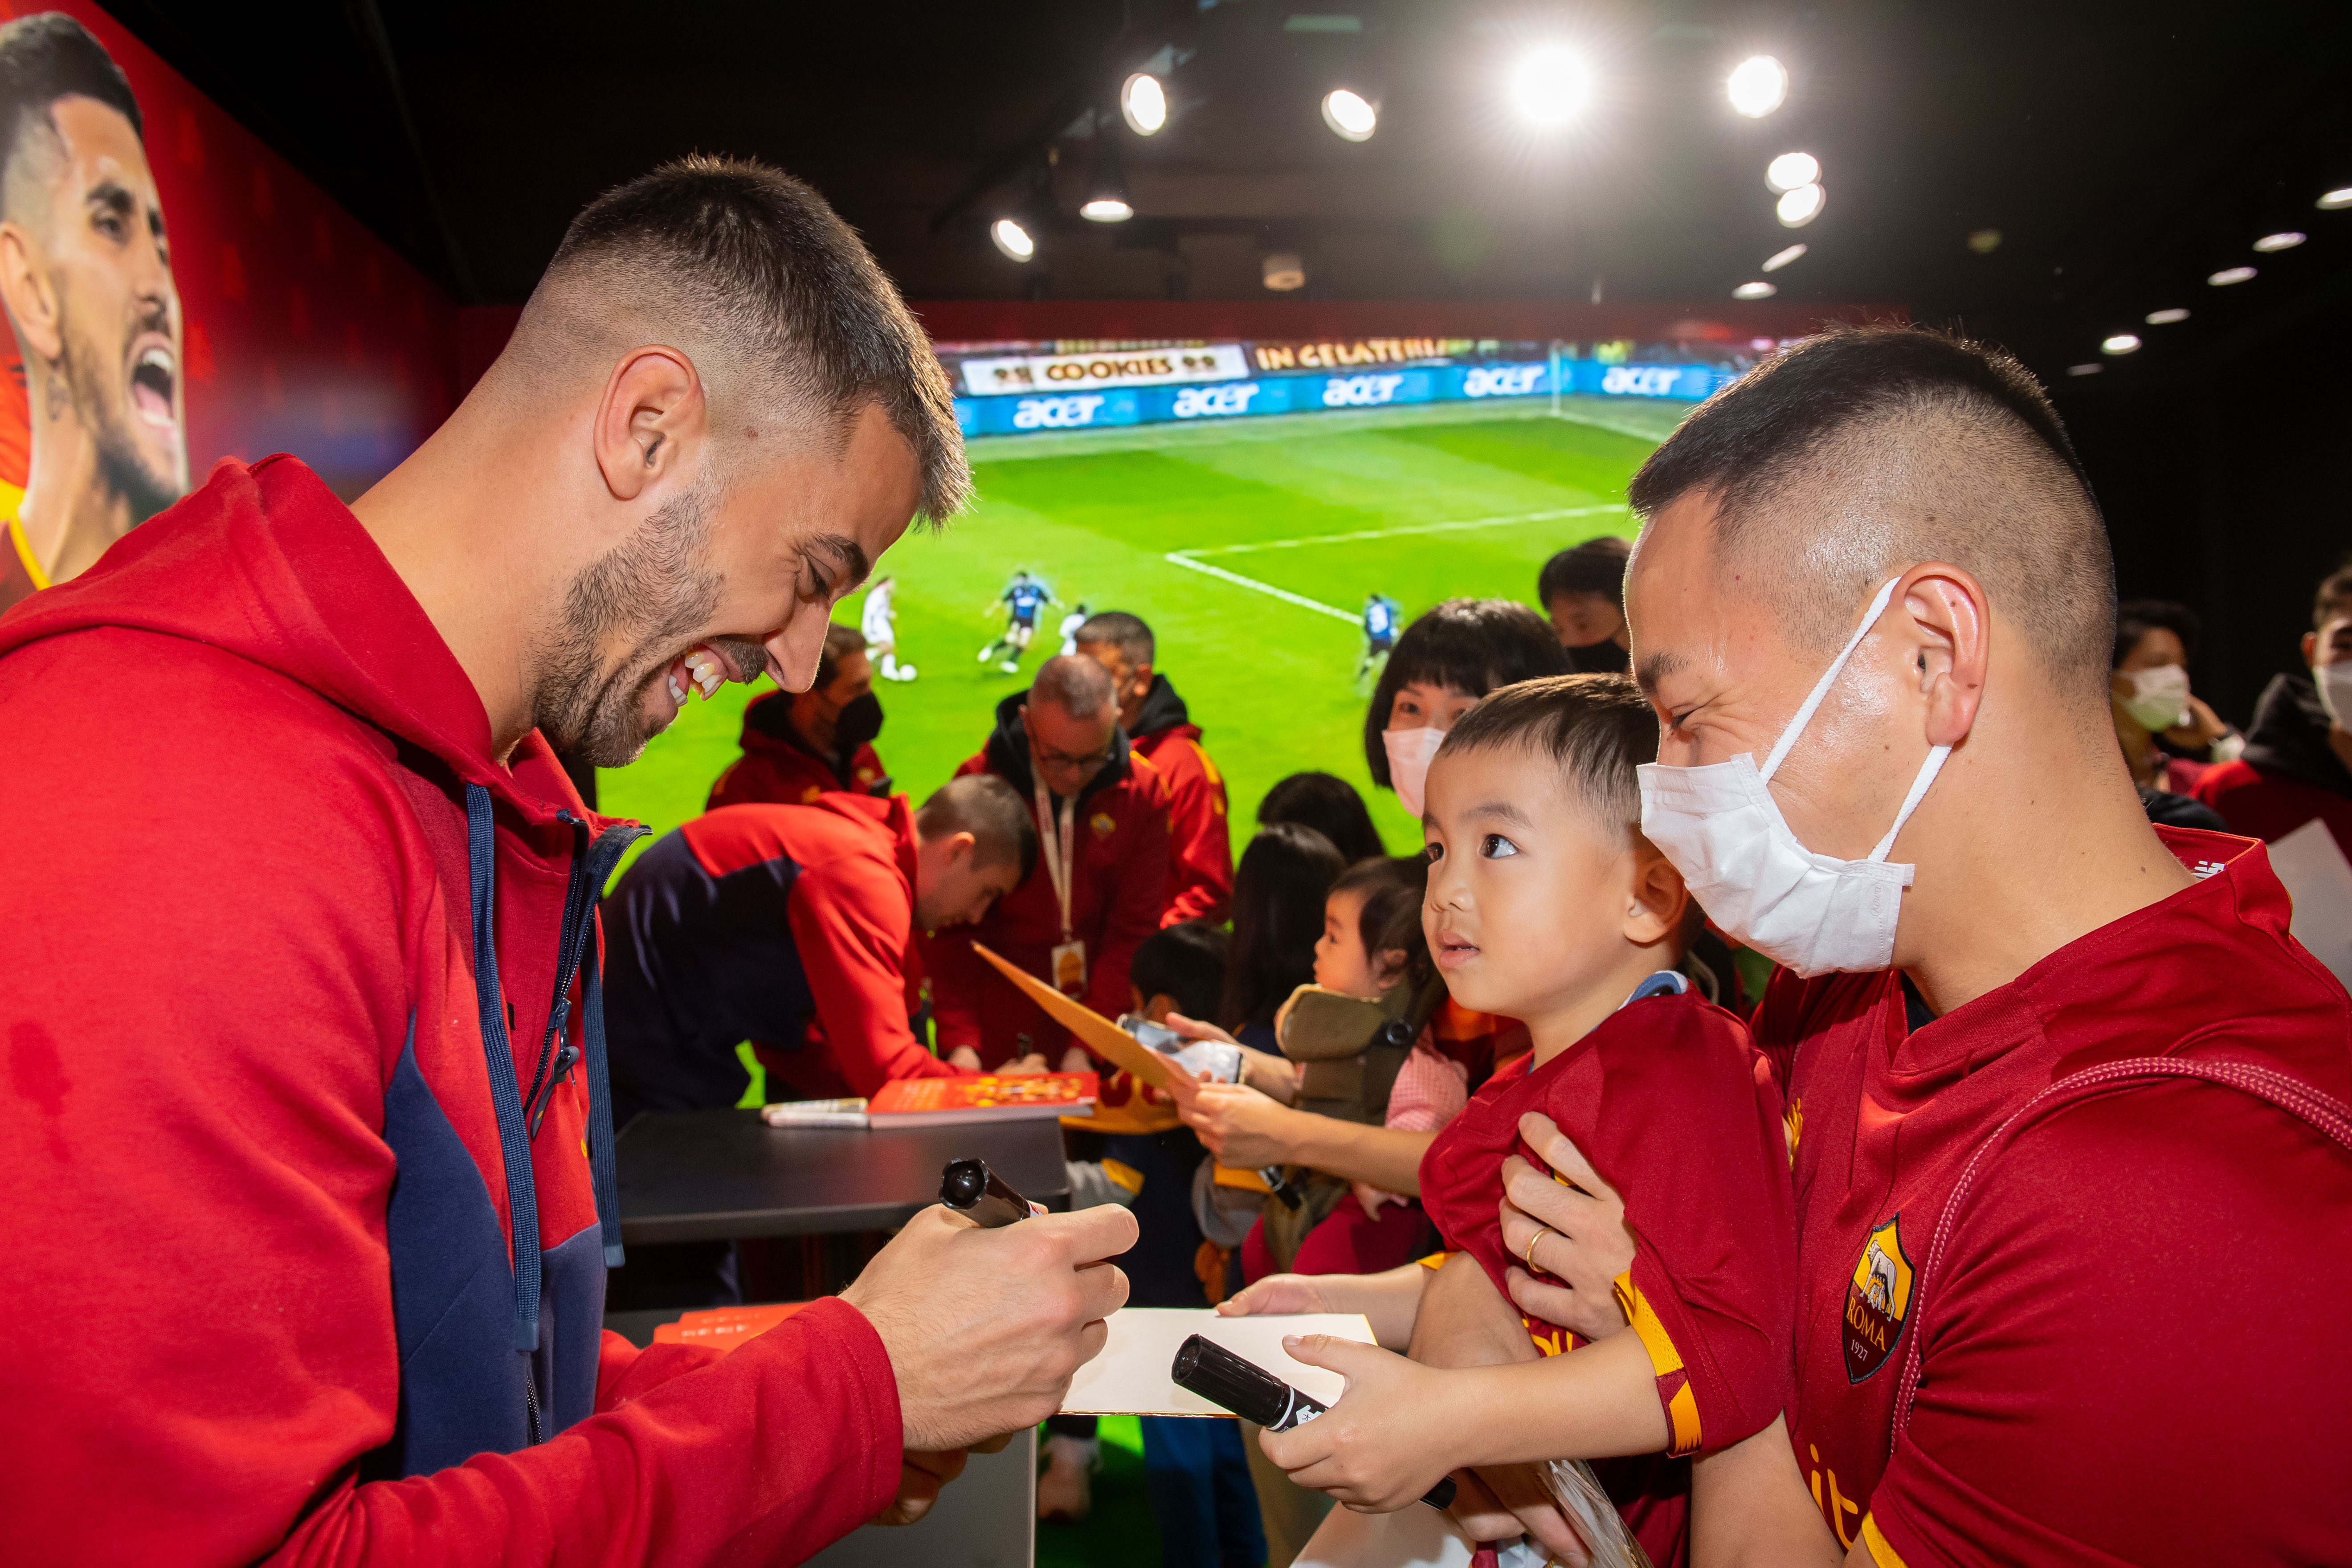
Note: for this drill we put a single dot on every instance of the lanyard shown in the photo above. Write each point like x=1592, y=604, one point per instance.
x=1060, y=852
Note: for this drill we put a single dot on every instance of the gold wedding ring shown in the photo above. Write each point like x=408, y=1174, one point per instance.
x=1541, y=1231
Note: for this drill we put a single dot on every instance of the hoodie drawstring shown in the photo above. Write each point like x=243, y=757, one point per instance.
x=505, y=1098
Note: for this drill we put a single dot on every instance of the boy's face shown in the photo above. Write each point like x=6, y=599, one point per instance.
x=1534, y=907
x=1340, y=961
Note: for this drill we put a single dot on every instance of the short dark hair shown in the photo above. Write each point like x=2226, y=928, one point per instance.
x=47, y=56
x=1597, y=727
x=2135, y=618
x=1278, y=890
x=1328, y=804
x=2334, y=598
x=840, y=642
x=992, y=811
x=1473, y=644
x=751, y=267
x=1186, y=962
x=1127, y=633
x=1073, y=683
x=1924, y=447
x=1395, y=888
x=1595, y=566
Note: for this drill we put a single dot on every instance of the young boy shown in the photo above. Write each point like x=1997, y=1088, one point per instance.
x=1546, y=904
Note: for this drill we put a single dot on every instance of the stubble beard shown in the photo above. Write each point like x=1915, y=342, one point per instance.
x=100, y=397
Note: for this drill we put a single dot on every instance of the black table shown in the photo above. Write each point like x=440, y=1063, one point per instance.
x=725, y=1175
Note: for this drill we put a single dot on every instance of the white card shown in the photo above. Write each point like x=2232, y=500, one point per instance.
x=1128, y=1376
x=2319, y=880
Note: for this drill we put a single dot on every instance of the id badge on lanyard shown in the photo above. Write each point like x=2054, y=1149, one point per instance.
x=1068, y=966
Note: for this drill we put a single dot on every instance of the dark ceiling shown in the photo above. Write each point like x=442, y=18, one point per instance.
x=2123, y=152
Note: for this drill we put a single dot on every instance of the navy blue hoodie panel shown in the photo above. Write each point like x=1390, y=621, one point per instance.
x=697, y=963
x=571, y=1301
x=452, y=1293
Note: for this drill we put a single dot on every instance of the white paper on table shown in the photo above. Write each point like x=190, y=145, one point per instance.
x=2319, y=879
x=1128, y=1376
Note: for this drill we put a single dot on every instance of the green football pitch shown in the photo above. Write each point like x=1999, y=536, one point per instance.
x=1249, y=548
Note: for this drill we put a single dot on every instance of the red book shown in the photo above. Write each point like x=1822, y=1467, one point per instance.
x=983, y=1097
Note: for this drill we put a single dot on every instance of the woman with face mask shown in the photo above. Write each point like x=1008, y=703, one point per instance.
x=798, y=745
x=1446, y=661
x=2169, y=735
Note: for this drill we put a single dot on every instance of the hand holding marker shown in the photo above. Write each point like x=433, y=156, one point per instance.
x=981, y=1196
x=1249, y=1391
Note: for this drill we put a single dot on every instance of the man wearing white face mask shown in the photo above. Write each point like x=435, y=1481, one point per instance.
x=2062, y=1090
x=2298, y=758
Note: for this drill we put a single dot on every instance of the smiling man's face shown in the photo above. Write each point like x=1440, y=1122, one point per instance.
x=722, y=582
x=117, y=310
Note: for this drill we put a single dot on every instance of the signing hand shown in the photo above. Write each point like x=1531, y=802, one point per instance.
x=983, y=1328
x=1238, y=1125
x=1583, y=1243
x=920, y=1476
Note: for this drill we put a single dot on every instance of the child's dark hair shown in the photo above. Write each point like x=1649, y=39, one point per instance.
x=1328, y=804
x=1475, y=644
x=1597, y=728
x=1185, y=962
x=1393, y=887
x=1278, y=891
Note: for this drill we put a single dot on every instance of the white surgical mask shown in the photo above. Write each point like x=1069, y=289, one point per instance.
x=1409, y=754
x=2334, y=682
x=1721, y=828
x=2160, y=696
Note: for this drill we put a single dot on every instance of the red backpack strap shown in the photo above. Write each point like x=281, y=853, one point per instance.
x=2288, y=1093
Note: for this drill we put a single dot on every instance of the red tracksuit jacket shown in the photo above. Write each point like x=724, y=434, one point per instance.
x=777, y=767
x=1115, y=899
x=1200, y=838
x=260, y=1212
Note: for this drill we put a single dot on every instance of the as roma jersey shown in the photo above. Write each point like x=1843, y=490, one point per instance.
x=2132, y=1346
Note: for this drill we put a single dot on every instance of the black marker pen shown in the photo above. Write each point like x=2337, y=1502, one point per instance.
x=1249, y=1391
x=972, y=1190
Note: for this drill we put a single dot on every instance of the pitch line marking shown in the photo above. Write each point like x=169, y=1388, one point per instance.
x=1190, y=559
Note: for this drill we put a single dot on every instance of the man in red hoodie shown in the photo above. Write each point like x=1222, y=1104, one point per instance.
x=1200, y=843
x=310, y=1180
x=797, y=746
x=1101, y=813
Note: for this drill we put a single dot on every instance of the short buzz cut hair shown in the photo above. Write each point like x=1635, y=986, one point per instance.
x=989, y=809
x=1866, y=450
x=45, y=57
x=1127, y=633
x=1076, y=684
x=840, y=642
x=776, y=299
x=1597, y=728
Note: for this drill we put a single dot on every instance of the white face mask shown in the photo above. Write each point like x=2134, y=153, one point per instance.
x=1721, y=828
x=1410, y=752
x=2334, y=682
x=2160, y=696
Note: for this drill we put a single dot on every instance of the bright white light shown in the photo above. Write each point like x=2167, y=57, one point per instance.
x=2229, y=274
x=1800, y=206
x=1758, y=86
x=1789, y=170
x=1779, y=258
x=1759, y=289
x=2287, y=240
x=1348, y=116
x=2166, y=318
x=2084, y=369
x=1013, y=239
x=1550, y=85
x=2121, y=344
x=2335, y=200
x=1106, y=209
x=1143, y=103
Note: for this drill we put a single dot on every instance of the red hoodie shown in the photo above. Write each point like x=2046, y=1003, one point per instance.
x=259, y=1218
x=1200, y=839
x=778, y=767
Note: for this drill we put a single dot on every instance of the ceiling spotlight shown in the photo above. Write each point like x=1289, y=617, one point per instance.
x=1105, y=209
x=2229, y=274
x=1011, y=239
x=2287, y=240
x=2166, y=318
x=1789, y=170
x=1348, y=116
x=1283, y=271
x=2121, y=344
x=2084, y=369
x=1143, y=103
x=1800, y=206
x=1550, y=85
x=1758, y=86
x=1105, y=199
x=2335, y=200
x=1759, y=289
x=1779, y=258
x=1984, y=241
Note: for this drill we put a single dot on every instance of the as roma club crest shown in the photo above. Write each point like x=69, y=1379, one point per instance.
x=1877, y=1302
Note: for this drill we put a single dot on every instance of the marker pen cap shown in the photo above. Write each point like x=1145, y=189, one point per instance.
x=970, y=1188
